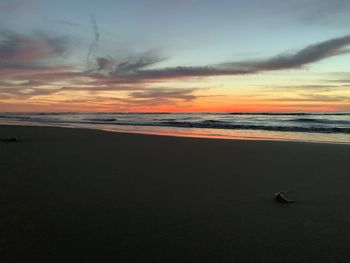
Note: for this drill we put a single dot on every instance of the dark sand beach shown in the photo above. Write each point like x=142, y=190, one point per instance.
x=74, y=195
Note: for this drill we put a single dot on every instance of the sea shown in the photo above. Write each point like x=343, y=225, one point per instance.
x=305, y=127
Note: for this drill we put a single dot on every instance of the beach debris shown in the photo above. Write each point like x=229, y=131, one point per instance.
x=14, y=139
x=281, y=198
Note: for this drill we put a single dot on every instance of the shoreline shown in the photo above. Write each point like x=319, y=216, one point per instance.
x=171, y=132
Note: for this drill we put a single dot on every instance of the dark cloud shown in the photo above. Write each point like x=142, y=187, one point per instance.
x=323, y=11
x=183, y=72
x=65, y=22
x=309, y=12
x=106, y=63
x=136, y=63
x=154, y=97
x=164, y=93
x=94, y=44
x=308, y=55
x=311, y=54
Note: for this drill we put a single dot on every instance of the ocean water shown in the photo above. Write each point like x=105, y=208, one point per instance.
x=313, y=127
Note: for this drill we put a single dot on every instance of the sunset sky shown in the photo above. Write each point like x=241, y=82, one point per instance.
x=175, y=55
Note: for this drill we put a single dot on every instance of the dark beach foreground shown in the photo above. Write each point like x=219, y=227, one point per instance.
x=73, y=195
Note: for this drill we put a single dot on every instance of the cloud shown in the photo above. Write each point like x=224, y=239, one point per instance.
x=105, y=63
x=315, y=98
x=64, y=22
x=340, y=77
x=152, y=98
x=24, y=57
x=19, y=50
x=22, y=84
x=306, y=87
x=27, y=70
x=311, y=54
x=164, y=93
x=309, y=12
x=23, y=53
x=94, y=44
x=136, y=63
x=323, y=11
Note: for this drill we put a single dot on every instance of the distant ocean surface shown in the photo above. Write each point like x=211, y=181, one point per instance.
x=317, y=127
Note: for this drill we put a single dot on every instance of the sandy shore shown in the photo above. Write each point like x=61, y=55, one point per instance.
x=70, y=195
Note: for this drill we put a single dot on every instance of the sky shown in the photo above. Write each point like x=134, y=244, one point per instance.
x=175, y=56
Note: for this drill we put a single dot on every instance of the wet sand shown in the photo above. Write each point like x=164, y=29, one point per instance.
x=74, y=195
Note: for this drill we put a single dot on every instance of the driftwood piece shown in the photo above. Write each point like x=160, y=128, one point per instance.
x=281, y=198
x=14, y=139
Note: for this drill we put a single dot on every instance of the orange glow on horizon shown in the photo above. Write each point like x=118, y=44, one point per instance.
x=108, y=106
